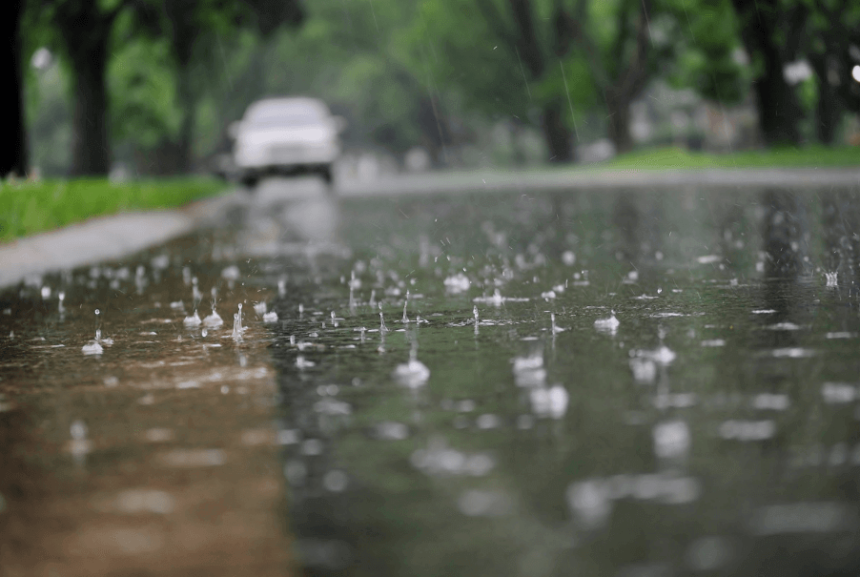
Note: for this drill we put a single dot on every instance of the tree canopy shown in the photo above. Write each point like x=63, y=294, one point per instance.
x=156, y=82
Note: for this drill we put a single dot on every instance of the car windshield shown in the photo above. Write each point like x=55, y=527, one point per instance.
x=286, y=115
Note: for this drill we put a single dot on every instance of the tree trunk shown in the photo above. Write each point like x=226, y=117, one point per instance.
x=183, y=24
x=778, y=108
x=90, y=149
x=434, y=130
x=556, y=134
x=619, y=124
x=828, y=110
x=13, y=146
x=186, y=128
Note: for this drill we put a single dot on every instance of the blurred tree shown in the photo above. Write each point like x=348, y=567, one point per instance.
x=570, y=54
x=618, y=39
x=89, y=33
x=83, y=31
x=353, y=55
x=629, y=43
x=707, y=50
x=772, y=32
x=13, y=148
x=194, y=27
x=165, y=67
x=145, y=115
x=365, y=72
x=508, y=59
x=833, y=28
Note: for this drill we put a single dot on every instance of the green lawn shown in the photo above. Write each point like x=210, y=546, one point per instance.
x=31, y=207
x=674, y=158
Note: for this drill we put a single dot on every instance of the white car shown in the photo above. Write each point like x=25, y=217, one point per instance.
x=286, y=136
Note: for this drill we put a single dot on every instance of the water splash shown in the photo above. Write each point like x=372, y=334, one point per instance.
x=413, y=374
x=644, y=370
x=382, y=327
x=529, y=371
x=192, y=320
x=498, y=300
x=405, y=319
x=79, y=446
x=94, y=347
x=354, y=283
x=671, y=439
x=662, y=355
x=214, y=320
x=457, y=283
x=590, y=503
x=551, y=402
x=303, y=363
x=237, y=325
x=140, y=279
x=555, y=329
x=609, y=325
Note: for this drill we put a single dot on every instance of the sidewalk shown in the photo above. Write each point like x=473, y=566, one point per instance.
x=103, y=238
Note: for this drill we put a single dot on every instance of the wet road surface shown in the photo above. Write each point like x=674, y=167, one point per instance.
x=648, y=382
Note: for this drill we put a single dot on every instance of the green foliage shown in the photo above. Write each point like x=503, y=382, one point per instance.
x=452, y=42
x=576, y=82
x=689, y=41
x=30, y=207
x=348, y=54
x=708, y=46
x=142, y=81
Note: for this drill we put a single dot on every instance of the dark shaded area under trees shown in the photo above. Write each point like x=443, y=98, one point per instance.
x=13, y=149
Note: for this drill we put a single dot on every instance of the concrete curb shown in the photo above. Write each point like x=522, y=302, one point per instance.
x=585, y=179
x=104, y=238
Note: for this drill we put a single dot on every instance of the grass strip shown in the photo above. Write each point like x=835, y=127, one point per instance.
x=679, y=158
x=30, y=207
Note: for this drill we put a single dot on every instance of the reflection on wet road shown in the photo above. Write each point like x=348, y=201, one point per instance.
x=613, y=383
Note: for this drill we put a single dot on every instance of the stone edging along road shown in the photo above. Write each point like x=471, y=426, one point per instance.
x=596, y=179
x=115, y=236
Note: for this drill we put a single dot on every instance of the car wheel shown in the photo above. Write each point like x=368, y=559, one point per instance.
x=250, y=181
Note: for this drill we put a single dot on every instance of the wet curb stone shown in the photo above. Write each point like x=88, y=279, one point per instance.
x=601, y=179
x=103, y=238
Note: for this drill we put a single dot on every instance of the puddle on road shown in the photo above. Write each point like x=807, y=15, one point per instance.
x=610, y=384
x=139, y=442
